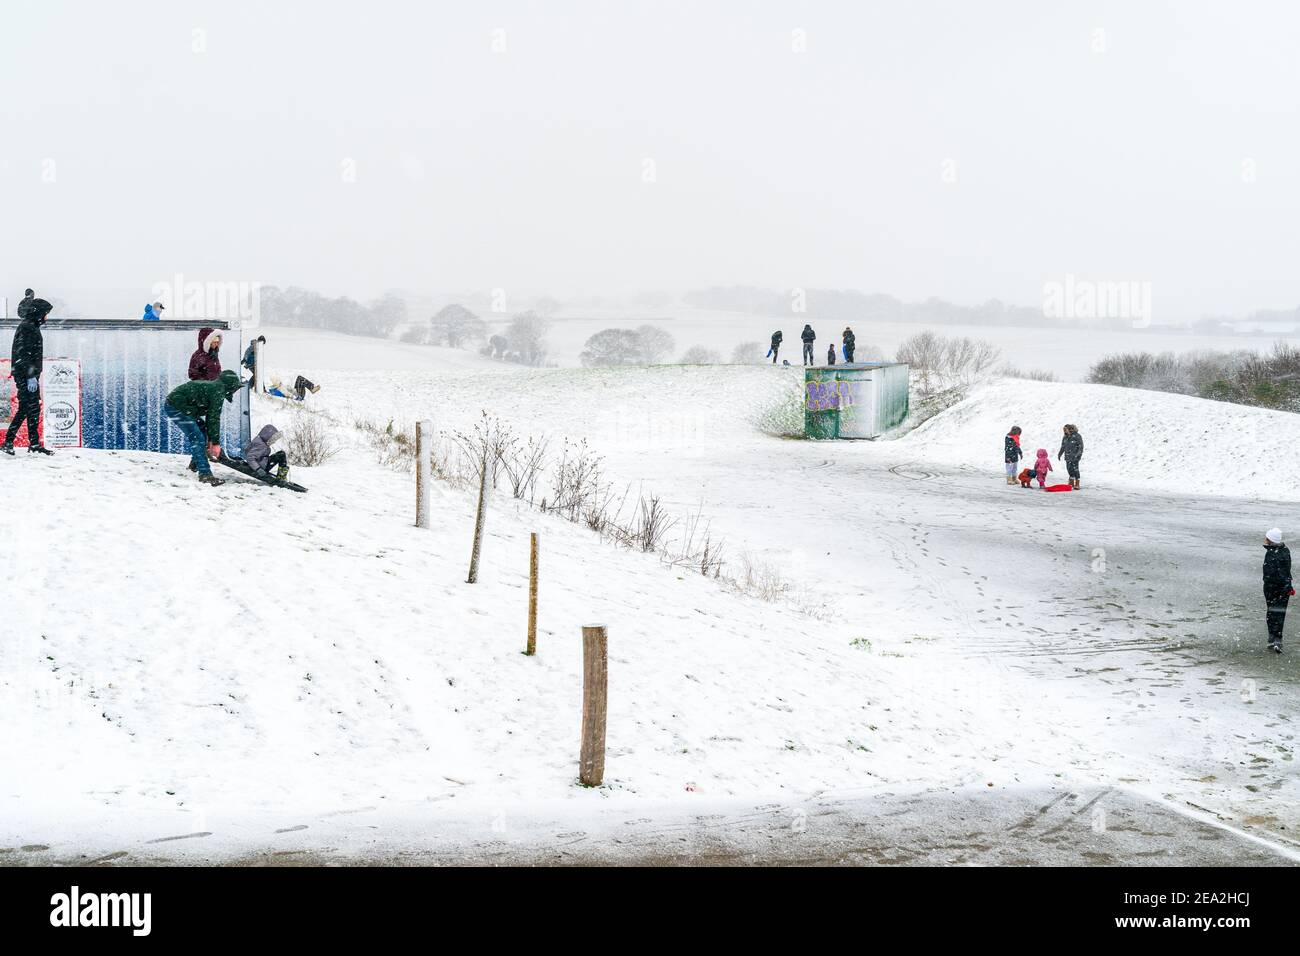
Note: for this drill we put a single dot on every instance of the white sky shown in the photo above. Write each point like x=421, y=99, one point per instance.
x=523, y=170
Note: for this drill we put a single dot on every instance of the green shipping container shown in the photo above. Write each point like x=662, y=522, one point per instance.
x=861, y=400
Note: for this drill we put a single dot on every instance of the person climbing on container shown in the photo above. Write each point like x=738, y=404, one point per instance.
x=808, y=336
x=1278, y=587
x=249, y=360
x=153, y=312
x=205, y=363
x=1011, y=452
x=193, y=402
x=27, y=359
x=850, y=341
x=830, y=354
x=1071, y=451
x=776, y=345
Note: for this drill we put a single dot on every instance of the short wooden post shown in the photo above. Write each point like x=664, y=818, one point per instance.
x=423, y=435
x=484, y=484
x=532, y=596
x=591, y=761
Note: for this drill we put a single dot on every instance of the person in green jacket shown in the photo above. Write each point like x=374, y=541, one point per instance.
x=196, y=401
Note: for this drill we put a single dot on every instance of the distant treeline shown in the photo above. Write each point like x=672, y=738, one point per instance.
x=849, y=305
x=302, y=307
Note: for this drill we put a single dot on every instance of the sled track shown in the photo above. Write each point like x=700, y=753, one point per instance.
x=916, y=474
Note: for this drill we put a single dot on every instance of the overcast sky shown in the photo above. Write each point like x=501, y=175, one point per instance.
x=962, y=150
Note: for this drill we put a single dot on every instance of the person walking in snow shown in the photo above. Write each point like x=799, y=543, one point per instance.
x=830, y=354
x=1071, y=451
x=27, y=359
x=1042, y=466
x=1278, y=587
x=259, y=454
x=190, y=404
x=1011, y=453
x=808, y=336
x=776, y=345
x=205, y=363
x=153, y=313
x=849, y=342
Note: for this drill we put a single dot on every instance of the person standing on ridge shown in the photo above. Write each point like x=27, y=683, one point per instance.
x=1277, y=586
x=27, y=359
x=153, y=313
x=776, y=345
x=830, y=354
x=849, y=342
x=808, y=336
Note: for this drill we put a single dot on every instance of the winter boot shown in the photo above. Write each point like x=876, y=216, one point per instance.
x=8, y=449
x=1075, y=482
x=1011, y=480
x=38, y=450
x=281, y=472
x=212, y=480
x=315, y=389
x=191, y=466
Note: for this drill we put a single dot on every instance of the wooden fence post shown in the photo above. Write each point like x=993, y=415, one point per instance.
x=423, y=436
x=591, y=761
x=532, y=595
x=484, y=486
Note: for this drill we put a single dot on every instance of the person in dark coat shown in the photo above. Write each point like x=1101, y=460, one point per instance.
x=776, y=345
x=1011, y=452
x=808, y=336
x=25, y=305
x=27, y=359
x=1277, y=586
x=205, y=363
x=1071, y=451
x=830, y=354
x=849, y=343
x=195, y=408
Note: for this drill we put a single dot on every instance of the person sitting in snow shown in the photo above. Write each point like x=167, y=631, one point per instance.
x=1011, y=452
x=301, y=387
x=205, y=363
x=259, y=454
x=193, y=402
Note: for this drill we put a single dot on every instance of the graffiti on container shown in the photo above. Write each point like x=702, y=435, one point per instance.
x=828, y=396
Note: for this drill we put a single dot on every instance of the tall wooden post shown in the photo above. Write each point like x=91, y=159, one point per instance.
x=423, y=436
x=591, y=761
x=258, y=378
x=484, y=484
x=532, y=596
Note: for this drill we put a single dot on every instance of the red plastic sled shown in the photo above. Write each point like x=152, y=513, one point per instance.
x=1060, y=488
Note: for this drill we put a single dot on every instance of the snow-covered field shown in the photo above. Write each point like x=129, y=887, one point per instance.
x=239, y=661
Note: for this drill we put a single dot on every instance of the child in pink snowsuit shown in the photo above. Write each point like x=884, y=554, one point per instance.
x=1042, y=466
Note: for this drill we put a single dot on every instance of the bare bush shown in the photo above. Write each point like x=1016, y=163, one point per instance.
x=947, y=360
x=523, y=465
x=490, y=441
x=307, y=440
x=575, y=483
x=1031, y=375
x=747, y=353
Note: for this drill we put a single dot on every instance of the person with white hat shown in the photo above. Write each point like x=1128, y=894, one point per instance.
x=1277, y=586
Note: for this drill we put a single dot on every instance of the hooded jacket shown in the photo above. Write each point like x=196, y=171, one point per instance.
x=205, y=365
x=28, y=352
x=776, y=339
x=1043, y=465
x=204, y=399
x=1277, y=572
x=1071, y=447
x=149, y=314
x=25, y=304
x=258, y=452
x=808, y=335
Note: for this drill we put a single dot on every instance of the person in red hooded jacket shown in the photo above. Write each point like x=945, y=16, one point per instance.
x=205, y=363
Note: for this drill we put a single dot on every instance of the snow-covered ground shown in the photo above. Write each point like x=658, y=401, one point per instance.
x=241, y=660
